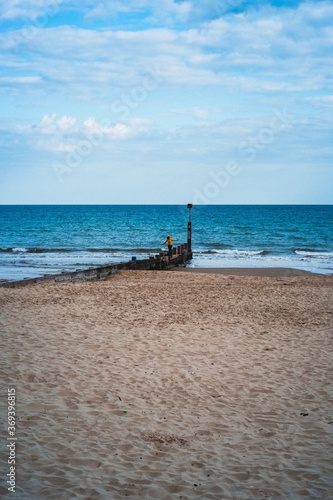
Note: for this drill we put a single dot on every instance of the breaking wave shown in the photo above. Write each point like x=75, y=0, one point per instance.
x=234, y=253
x=310, y=252
x=71, y=250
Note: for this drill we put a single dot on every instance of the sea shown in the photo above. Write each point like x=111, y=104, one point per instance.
x=49, y=239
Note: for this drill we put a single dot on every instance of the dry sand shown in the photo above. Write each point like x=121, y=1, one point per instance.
x=170, y=385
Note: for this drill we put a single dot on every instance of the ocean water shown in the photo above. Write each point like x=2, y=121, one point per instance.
x=37, y=240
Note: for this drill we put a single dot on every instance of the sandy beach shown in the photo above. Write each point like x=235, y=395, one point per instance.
x=170, y=385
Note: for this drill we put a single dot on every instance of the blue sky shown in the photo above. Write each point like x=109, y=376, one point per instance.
x=166, y=102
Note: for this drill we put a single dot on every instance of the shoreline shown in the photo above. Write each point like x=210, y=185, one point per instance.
x=274, y=272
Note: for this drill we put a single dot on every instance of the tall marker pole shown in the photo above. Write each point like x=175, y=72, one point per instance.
x=189, y=228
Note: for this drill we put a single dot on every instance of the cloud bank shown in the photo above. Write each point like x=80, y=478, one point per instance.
x=178, y=81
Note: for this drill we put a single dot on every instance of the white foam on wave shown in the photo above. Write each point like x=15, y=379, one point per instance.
x=258, y=259
x=22, y=264
x=39, y=263
x=307, y=253
x=228, y=252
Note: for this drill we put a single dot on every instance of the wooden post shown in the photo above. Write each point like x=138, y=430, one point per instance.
x=189, y=227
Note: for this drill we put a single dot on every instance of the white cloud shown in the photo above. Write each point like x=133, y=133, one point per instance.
x=28, y=9
x=325, y=101
x=47, y=124
x=63, y=148
x=261, y=50
x=67, y=123
x=119, y=131
x=197, y=112
x=166, y=11
x=19, y=80
x=106, y=130
x=67, y=133
x=173, y=80
x=72, y=128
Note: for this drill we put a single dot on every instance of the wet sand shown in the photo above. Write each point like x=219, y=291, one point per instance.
x=247, y=271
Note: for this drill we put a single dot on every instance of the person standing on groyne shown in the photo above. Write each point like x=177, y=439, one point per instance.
x=170, y=241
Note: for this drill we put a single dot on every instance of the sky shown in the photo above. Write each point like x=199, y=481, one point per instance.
x=208, y=102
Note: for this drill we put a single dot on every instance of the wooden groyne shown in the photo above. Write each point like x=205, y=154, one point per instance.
x=157, y=262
